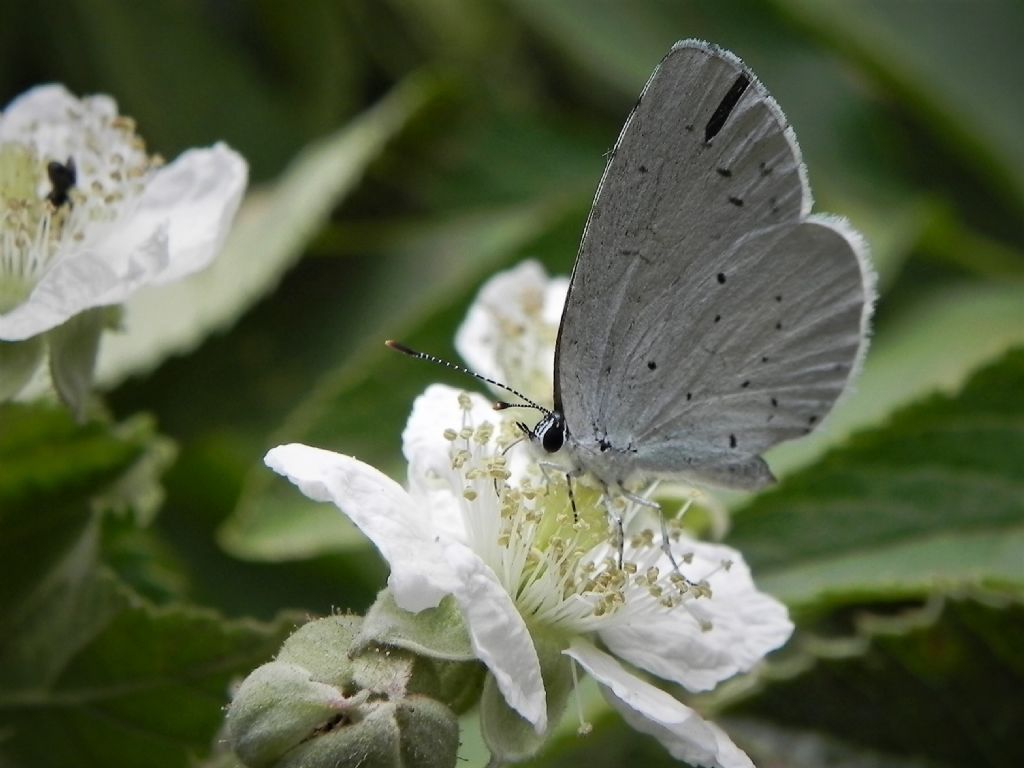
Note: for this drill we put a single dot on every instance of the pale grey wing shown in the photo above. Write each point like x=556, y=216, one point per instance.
x=702, y=202
x=776, y=344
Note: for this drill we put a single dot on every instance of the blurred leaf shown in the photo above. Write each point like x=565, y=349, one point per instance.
x=934, y=344
x=274, y=227
x=135, y=50
x=45, y=458
x=769, y=744
x=52, y=473
x=942, y=686
x=80, y=654
x=144, y=685
x=954, y=72
x=932, y=501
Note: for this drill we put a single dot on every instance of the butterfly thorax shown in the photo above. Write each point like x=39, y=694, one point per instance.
x=610, y=464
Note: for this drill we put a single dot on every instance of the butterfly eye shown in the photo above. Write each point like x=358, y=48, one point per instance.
x=552, y=433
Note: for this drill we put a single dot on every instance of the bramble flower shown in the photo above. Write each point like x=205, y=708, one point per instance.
x=510, y=330
x=537, y=585
x=87, y=217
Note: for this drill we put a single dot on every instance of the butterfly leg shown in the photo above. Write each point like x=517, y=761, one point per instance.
x=572, y=498
x=620, y=533
x=666, y=545
x=545, y=466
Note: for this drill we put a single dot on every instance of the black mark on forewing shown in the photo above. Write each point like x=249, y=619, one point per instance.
x=725, y=108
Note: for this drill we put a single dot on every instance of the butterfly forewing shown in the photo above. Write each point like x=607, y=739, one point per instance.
x=708, y=316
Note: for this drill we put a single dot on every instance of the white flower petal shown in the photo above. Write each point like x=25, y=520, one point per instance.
x=40, y=115
x=745, y=625
x=481, y=333
x=431, y=477
x=676, y=739
x=81, y=281
x=420, y=575
x=437, y=409
x=685, y=734
x=499, y=634
x=509, y=331
x=195, y=198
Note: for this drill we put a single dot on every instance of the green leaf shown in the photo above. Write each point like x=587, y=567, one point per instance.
x=933, y=501
x=273, y=229
x=942, y=686
x=954, y=72
x=45, y=458
x=142, y=686
x=932, y=344
x=73, y=348
x=122, y=681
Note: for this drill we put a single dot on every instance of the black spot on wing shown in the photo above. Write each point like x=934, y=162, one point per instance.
x=737, y=201
x=725, y=173
x=651, y=365
x=725, y=107
x=732, y=441
x=721, y=278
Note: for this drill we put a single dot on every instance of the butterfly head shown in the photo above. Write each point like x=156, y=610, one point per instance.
x=549, y=432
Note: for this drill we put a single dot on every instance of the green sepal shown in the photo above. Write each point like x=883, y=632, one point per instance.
x=278, y=707
x=510, y=738
x=73, y=349
x=18, y=361
x=322, y=647
x=416, y=732
x=437, y=633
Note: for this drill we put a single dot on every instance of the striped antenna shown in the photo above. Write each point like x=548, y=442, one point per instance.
x=528, y=403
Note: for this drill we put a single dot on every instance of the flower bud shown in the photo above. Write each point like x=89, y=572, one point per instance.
x=329, y=700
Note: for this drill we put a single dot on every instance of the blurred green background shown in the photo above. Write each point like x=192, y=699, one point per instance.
x=401, y=151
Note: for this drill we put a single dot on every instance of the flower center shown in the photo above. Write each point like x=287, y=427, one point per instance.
x=26, y=224
x=561, y=568
x=62, y=187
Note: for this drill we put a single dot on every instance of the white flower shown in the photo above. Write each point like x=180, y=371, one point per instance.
x=87, y=216
x=501, y=538
x=510, y=331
